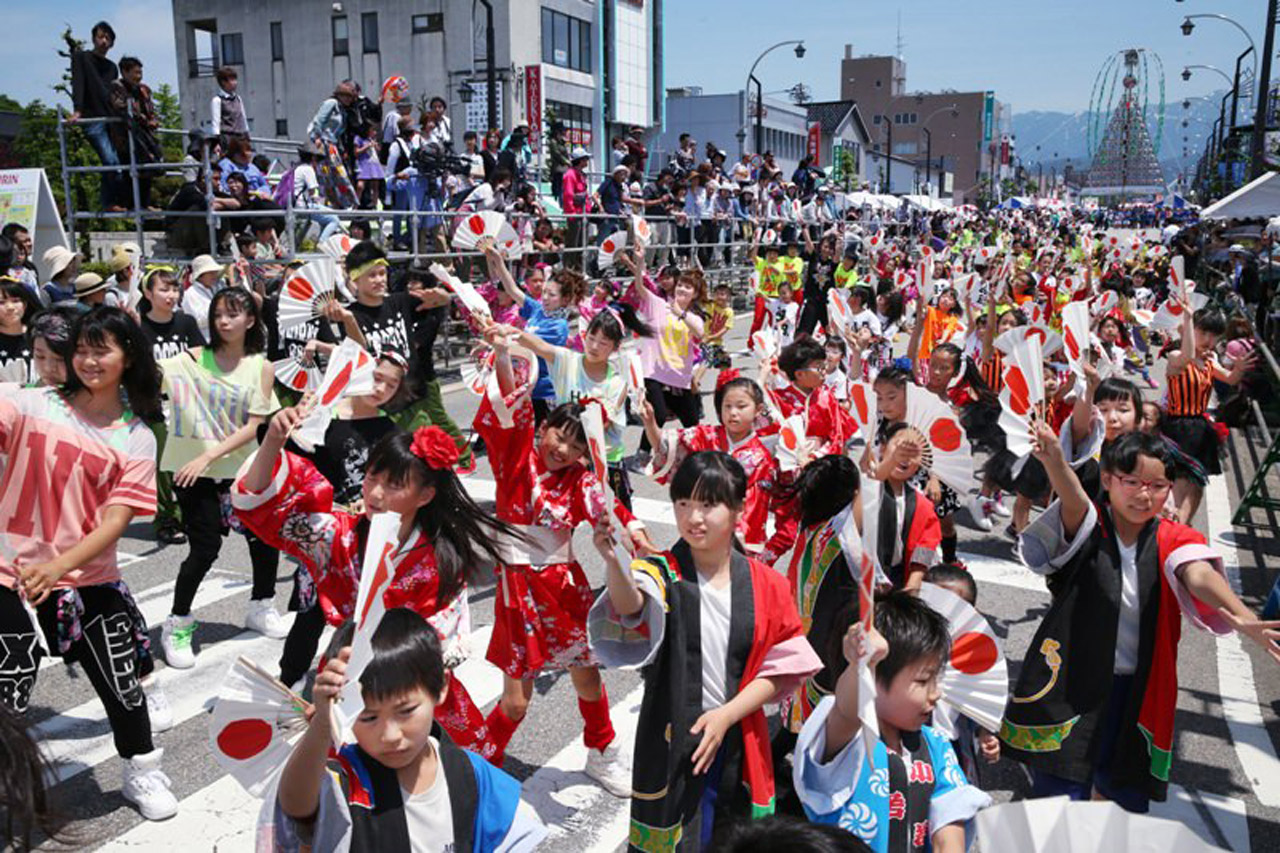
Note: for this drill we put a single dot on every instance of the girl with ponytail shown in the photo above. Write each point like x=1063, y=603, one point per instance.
x=283, y=499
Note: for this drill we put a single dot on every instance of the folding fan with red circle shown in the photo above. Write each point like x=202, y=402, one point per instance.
x=875, y=240
x=306, y=292
x=1022, y=393
x=337, y=246
x=946, y=450
x=1050, y=341
x=975, y=682
x=292, y=373
x=838, y=312
x=1104, y=302
x=794, y=447
x=254, y=724
x=1075, y=335
x=862, y=405
x=641, y=230
x=487, y=224
x=769, y=237
x=1168, y=316
x=614, y=243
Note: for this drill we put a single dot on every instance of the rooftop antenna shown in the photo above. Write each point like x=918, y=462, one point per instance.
x=901, y=44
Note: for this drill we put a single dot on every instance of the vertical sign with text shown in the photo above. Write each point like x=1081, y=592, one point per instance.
x=533, y=104
x=815, y=144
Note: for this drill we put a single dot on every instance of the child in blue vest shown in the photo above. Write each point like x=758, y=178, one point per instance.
x=911, y=794
x=403, y=778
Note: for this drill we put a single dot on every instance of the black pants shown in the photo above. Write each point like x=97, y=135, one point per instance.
x=812, y=312
x=301, y=644
x=106, y=651
x=683, y=403
x=202, y=520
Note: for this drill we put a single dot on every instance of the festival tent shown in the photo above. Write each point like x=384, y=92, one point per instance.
x=1256, y=199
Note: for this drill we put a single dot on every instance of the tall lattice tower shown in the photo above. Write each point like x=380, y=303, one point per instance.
x=1124, y=157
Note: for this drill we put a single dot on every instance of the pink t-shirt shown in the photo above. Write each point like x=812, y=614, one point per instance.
x=58, y=473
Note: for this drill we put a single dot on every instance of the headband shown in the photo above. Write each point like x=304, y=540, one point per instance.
x=364, y=268
x=395, y=358
x=435, y=448
x=155, y=269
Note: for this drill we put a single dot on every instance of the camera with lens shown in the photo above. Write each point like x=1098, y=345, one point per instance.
x=432, y=161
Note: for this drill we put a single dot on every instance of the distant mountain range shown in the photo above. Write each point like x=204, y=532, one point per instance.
x=1063, y=137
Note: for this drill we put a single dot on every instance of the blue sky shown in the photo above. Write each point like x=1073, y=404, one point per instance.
x=1036, y=54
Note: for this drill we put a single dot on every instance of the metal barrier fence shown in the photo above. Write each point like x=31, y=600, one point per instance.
x=420, y=221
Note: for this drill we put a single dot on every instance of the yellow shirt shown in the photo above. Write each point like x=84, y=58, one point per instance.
x=718, y=322
x=769, y=277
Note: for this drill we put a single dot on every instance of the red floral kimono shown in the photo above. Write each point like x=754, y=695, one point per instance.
x=763, y=485
x=295, y=514
x=825, y=418
x=542, y=598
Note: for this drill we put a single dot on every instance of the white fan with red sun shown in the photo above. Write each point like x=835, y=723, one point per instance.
x=491, y=225
x=945, y=448
x=254, y=724
x=975, y=683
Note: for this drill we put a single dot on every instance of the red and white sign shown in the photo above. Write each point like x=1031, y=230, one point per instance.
x=815, y=144
x=533, y=104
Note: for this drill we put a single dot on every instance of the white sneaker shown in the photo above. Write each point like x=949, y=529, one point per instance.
x=147, y=787
x=175, y=641
x=158, y=709
x=978, y=512
x=995, y=507
x=609, y=769
x=263, y=618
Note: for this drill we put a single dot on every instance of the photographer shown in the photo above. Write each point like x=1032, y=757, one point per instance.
x=406, y=188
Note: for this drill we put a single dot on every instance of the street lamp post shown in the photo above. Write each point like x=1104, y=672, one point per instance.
x=751, y=78
x=928, y=157
x=1262, y=90
x=1187, y=27
x=928, y=166
x=1235, y=89
x=491, y=65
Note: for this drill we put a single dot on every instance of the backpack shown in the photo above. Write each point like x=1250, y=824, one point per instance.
x=284, y=189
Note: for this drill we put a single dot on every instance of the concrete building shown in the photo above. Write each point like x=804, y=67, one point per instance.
x=955, y=132
x=596, y=65
x=728, y=121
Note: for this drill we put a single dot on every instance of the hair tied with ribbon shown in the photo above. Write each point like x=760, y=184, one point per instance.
x=435, y=448
x=727, y=376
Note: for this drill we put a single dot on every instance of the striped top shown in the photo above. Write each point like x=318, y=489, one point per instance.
x=1188, y=394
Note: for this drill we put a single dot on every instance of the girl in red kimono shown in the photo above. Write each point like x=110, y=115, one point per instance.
x=285, y=501
x=804, y=363
x=717, y=637
x=544, y=491
x=739, y=401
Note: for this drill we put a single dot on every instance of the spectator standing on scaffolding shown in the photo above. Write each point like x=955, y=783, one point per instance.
x=327, y=129
x=239, y=159
x=558, y=156
x=131, y=102
x=442, y=133
x=516, y=155
x=575, y=201
x=226, y=109
x=391, y=126
x=91, y=76
x=636, y=148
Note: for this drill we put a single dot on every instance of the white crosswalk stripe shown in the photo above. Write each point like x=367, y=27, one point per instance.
x=220, y=815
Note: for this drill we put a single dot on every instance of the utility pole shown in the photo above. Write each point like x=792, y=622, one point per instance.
x=491, y=65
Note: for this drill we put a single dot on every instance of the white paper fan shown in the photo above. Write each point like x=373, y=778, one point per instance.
x=769, y=237
x=486, y=223
x=1178, y=275
x=376, y=574
x=947, y=453
x=349, y=374
x=838, y=312
x=306, y=292
x=1168, y=316
x=635, y=381
x=253, y=725
x=863, y=565
x=975, y=682
x=1059, y=825
x=292, y=373
x=1023, y=390
x=337, y=246
x=924, y=278
x=1050, y=341
x=641, y=230
x=794, y=447
x=466, y=293
x=1075, y=335
x=1104, y=302
x=862, y=405
x=875, y=240
x=764, y=343
x=476, y=370
x=609, y=249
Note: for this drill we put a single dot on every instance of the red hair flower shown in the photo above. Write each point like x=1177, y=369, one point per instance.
x=726, y=376
x=434, y=447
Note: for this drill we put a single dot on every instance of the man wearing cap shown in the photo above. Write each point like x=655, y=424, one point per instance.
x=62, y=266
x=612, y=194
x=575, y=200
x=206, y=280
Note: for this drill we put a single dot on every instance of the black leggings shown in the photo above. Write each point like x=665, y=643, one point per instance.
x=301, y=644
x=106, y=651
x=683, y=403
x=202, y=520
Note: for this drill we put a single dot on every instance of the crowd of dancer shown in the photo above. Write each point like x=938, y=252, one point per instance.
x=816, y=503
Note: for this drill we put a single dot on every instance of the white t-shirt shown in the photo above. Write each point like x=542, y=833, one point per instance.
x=715, y=641
x=195, y=304
x=429, y=815
x=866, y=318
x=1127, y=632
x=306, y=189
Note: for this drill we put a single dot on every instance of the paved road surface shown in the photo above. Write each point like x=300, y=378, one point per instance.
x=1226, y=773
